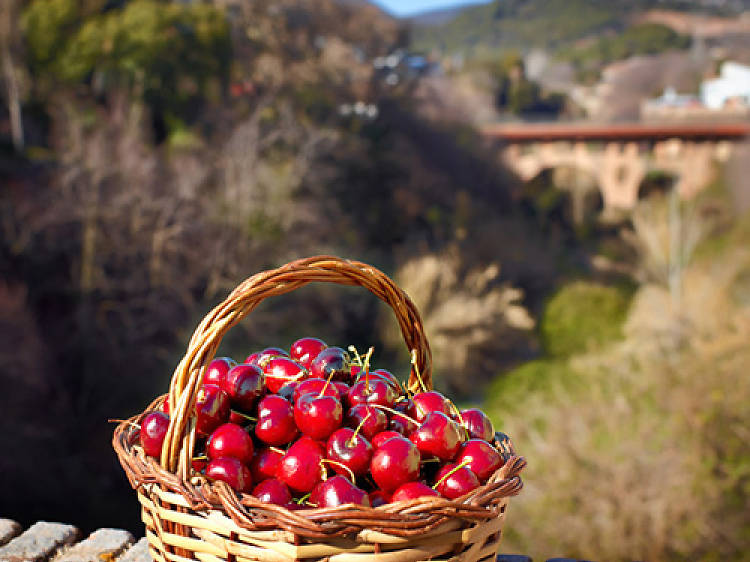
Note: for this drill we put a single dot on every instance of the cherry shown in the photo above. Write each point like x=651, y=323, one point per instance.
x=272, y=490
x=230, y=440
x=355, y=370
x=338, y=491
x=379, y=497
x=386, y=376
x=282, y=370
x=265, y=463
x=477, y=424
x=287, y=391
x=301, y=468
x=412, y=491
x=438, y=436
x=217, y=370
x=231, y=471
x=384, y=436
x=244, y=385
x=305, y=350
x=342, y=387
x=165, y=405
x=317, y=415
x=454, y=481
x=199, y=465
x=314, y=386
x=372, y=391
x=480, y=457
x=375, y=420
x=331, y=361
x=275, y=421
x=153, y=430
x=427, y=402
x=268, y=353
x=402, y=422
x=211, y=409
x=394, y=463
x=353, y=451
x=252, y=359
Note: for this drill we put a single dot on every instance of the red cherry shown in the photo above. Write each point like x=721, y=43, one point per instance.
x=231, y=471
x=386, y=376
x=244, y=385
x=153, y=430
x=374, y=391
x=480, y=457
x=438, y=436
x=353, y=451
x=428, y=402
x=199, y=465
x=265, y=463
x=355, y=370
x=315, y=386
x=331, y=361
x=275, y=421
x=478, y=424
x=412, y=491
x=402, y=423
x=342, y=387
x=305, y=350
x=282, y=370
x=165, y=405
x=217, y=370
x=374, y=424
x=300, y=468
x=272, y=490
x=318, y=416
x=287, y=391
x=461, y=482
x=252, y=359
x=338, y=491
x=384, y=436
x=211, y=409
x=394, y=463
x=379, y=497
x=230, y=440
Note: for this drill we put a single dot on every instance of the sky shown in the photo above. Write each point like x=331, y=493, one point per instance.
x=409, y=7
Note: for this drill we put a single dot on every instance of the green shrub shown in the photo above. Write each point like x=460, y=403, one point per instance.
x=583, y=315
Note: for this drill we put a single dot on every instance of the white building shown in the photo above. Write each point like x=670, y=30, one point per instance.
x=733, y=84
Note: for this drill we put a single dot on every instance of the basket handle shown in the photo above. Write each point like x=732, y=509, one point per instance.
x=180, y=439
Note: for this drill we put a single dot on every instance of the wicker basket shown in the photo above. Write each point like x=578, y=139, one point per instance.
x=190, y=518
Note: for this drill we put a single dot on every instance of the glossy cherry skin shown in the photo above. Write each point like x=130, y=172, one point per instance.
x=252, y=359
x=230, y=440
x=265, y=463
x=483, y=459
x=372, y=391
x=153, y=430
x=315, y=386
x=338, y=491
x=457, y=484
x=412, y=491
x=379, y=497
x=318, y=416
x=383, y=375
x=438, y=436
x=374, y=424
x=268, y=353
x=287, y=391
x=244, y=385
x=478, y=424
x=427, y=402
x=301, y=468
x=217, y=370
x=332, y=361
x=231, y=471
x=353, y=451
x=342, y=387
x=305, y=350
x=272, y=490
x=212, y=408
x=384, y=436
x=402, y=423
x=394, y=463
x=282, y=370
x=275, y=421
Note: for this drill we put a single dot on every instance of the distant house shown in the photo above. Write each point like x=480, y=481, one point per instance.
x=731, y=87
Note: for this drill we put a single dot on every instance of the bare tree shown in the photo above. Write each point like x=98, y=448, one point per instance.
x=9, y=40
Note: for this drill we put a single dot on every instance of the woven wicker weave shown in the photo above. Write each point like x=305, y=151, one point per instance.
x=190, y=518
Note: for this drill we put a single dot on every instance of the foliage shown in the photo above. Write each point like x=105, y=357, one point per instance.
x=582, y=315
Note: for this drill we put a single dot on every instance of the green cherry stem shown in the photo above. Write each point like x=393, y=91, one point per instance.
x=387, y=409
x=251, y=418
x=416, y=370
x=357, y=357
x=342, y=465
x=449, y=473
x=350, y=443
x=328, y=381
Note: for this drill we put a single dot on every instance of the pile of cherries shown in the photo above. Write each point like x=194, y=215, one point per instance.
x=314, y=428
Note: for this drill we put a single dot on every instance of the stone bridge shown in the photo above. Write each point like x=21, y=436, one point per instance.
x=619, y=156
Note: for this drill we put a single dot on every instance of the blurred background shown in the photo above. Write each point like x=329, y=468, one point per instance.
x=560, y=185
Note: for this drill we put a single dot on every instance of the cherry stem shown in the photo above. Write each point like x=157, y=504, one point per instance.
x=135, y=425
x=200, y=458
x=322, y=390
x=460, y=419
x=357, y=358
x=277, y=450
x=251, y=418
x=350, y=443
x=395, y=412
x=449, y=473
x=293, y=378
x=342, y=465
x=416, y=369
x=303, y=498
x=367, y=367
